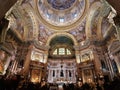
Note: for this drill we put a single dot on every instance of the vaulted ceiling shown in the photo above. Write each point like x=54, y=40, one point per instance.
x=5, y=5
x=40, y=19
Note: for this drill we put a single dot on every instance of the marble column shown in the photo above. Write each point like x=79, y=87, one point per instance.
x=108, y=60
x=77, y=56
x=97, y=62
x=40, y=75
x=26, y=65
x=45, y=56
x=15, y=66
x=7, y=64
x=117, y=62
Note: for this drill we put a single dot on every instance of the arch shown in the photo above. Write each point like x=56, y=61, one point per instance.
x=29, y=10
x=99, y=28
x=27, y=25
x=62, y=34
x=61, y=40
x=95, y=6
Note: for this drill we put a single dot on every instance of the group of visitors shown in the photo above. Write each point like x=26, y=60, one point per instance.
x=18, y=83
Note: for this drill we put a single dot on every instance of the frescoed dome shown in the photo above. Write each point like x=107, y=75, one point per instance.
x=61, y=4
x=62, y=13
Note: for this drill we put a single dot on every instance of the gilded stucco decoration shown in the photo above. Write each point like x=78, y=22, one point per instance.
x=43, y=35
x=23, y=22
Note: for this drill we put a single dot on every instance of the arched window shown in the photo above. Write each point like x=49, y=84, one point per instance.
x=55, y=52
x=68, y=52
x=62, y=51
x=61, y=46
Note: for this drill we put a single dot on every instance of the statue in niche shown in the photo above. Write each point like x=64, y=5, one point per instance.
x=70, y=73
x=53, y=73
x=61, y=73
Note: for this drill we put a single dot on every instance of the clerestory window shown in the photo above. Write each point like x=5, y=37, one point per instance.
x=61, y=51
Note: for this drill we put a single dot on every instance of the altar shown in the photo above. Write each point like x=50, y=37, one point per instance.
x=61, y=72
